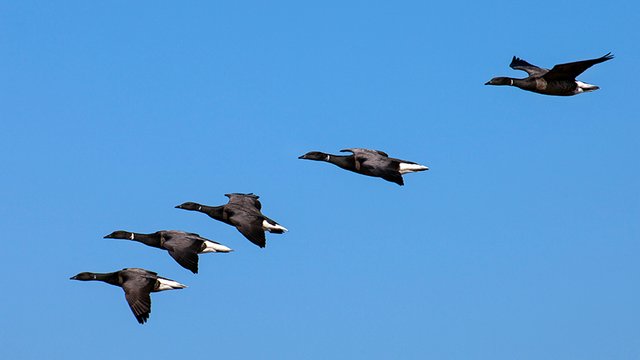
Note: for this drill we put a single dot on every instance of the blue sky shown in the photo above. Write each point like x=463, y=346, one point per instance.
x=521, y=242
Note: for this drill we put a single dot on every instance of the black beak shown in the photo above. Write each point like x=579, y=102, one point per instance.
x=178, y=206
x=302, y=157
x=488, y=83
x=108, y=237
x=72, y=278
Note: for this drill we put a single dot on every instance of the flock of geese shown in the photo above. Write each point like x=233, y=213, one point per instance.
x=244, y=211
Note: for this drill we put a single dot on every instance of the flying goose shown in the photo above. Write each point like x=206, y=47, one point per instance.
x=137, y=284
x=243, y=212
x=182, y=246
x=560, y=80
x=369, y=162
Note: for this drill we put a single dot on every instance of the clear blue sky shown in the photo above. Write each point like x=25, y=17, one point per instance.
x=521, y=242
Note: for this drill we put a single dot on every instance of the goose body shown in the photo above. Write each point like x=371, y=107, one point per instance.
x=138, y=284
x=368, y=162
x=559, y=81
x=182, y=246
x=243, y=211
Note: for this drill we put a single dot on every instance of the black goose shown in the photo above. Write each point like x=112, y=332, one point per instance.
x=137, y=284
x=182, y=246
x=369, y=162
x=560, y=80
x=243, y=212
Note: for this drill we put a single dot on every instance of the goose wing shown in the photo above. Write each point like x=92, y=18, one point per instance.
x=366, y=159
x=361, y=151
x=249, y=224
x=377, y=163
x=570, y=71
x=245, y=199
x=387, y=170
x=184, y=250
x=137, y=288
x=532, y=70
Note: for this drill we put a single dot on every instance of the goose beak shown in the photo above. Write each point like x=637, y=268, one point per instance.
x=178, y=206
x=302, y=157
x=488, y=83
x=72, y=278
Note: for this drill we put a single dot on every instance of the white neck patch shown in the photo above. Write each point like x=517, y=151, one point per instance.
x=511, y=82
x=132, y=236
x=199, y=208
x=328, y=157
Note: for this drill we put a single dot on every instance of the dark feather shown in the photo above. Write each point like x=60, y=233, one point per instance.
x=137, y=289
x=253, y=231
x=532, y=70
x=570, y=71
x=185, y=252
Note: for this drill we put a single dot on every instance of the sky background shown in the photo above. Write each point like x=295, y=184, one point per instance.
x=521, y=242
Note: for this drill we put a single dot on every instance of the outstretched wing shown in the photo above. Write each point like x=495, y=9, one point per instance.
x=249, y=223
x=184, y=250
x=570, y=71
x=245, y=199
x=386, y=168
x=137, y=289
x=377, y=163
x=366, y=159
x=532, y=70
x=357, y=151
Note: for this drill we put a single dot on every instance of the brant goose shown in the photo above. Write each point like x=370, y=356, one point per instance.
x=137, y=284
x=369, y=162
x=182, y=246
x=560, y=80
x=243, y=212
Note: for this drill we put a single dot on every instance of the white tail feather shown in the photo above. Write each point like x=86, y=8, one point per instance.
x=270, y=227
x=409, y=168
x=168, y=284
x=584, y=87
x=215, y=247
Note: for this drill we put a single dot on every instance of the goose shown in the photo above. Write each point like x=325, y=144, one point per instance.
x=243, y=212
x=374, y=163
x=182, y=246
x=137, y=284
x=559, y=81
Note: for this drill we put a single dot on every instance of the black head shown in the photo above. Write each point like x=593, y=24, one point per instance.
x=84, y=276
x=189, y=206
x=314, y=155
x=500, y=81
x=120, y=234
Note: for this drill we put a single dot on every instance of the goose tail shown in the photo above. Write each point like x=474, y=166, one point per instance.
x=212, y=246
x=273, y=227
x=168, y=284
x=411, y=167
